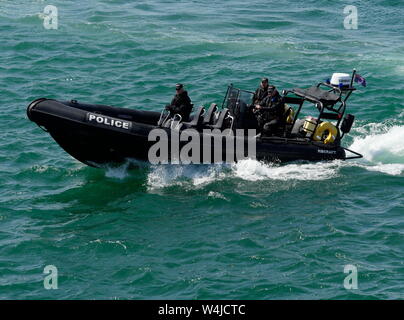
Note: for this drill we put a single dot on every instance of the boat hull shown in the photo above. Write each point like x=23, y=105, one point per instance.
x=124, y=135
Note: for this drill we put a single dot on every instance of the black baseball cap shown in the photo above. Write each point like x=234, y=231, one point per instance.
x=179, y=86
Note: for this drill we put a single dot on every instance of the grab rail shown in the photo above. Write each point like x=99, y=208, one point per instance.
x=160, y=121
x=175, y=123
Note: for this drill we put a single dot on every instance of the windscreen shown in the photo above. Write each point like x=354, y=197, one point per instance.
x=237, y=101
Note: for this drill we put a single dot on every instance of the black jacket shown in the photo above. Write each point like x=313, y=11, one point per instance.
x=272, y=106
x=259, y=95
x=181, y=104
x=272, y=96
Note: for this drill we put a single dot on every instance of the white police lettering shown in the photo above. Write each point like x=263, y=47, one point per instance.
x=91, y=117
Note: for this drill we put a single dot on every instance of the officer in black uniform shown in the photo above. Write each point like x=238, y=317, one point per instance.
x=261, y=92
x=269, y=111
x=181, y=103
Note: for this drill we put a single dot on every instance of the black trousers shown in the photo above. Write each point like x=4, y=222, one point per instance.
x=271, y=126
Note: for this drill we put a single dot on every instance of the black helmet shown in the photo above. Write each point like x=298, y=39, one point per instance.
x=264, y=80
x=179, y=86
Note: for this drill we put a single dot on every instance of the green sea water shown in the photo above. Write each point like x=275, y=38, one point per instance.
x=243, y=231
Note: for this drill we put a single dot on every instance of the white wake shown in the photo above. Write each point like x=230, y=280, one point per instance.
x=382, y=147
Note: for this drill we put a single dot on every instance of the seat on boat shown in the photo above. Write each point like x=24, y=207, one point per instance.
x=220, y=120
x=166, y=119
x=187, y=114
x=209, y=115
x=196, y=119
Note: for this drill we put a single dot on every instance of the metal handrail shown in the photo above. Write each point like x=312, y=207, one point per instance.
x=176, y=123
x=160, y=121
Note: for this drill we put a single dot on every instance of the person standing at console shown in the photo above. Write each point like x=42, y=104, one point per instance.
x=261, y=92
x=181, y=103
x=268, y=110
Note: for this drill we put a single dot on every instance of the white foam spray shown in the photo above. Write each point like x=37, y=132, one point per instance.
x=253, y=170
x=196, y=175
x=382, y=148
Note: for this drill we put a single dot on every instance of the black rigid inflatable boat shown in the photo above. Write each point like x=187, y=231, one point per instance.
x=98, y=134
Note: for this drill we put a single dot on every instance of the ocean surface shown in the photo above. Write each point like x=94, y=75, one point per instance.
x=243, y=231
